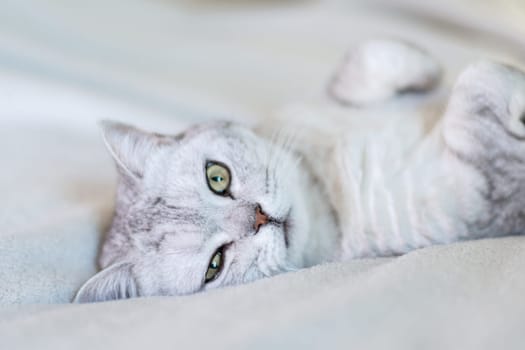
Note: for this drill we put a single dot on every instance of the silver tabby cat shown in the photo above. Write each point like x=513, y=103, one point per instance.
x=386, y=162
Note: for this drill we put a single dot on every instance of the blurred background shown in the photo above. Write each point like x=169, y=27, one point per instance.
x=162, y=64
x=191, y=58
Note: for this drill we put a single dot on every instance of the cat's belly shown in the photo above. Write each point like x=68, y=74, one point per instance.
x=390, y=179
x=397, y=189
x=392, y=199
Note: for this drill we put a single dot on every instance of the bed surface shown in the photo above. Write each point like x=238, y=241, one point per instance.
x=165, y=64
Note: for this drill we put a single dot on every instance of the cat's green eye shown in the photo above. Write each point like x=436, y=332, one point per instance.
x=214, y=267
x=218, y=177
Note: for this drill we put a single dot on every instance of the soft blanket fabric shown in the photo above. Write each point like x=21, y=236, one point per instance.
x=463, y=296
x=162, y=65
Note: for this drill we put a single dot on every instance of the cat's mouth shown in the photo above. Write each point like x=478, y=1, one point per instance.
x=286, y=230
x=284, y=224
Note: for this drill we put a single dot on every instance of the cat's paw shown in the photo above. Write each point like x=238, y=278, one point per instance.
x=484, y=129
x=492, y=94
x=380, y=69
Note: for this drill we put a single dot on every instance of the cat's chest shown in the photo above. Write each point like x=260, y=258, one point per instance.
x=386, y=181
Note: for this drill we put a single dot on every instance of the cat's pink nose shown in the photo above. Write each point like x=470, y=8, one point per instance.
x=260, y=218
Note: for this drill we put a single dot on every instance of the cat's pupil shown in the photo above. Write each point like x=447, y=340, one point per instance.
x=218, y=178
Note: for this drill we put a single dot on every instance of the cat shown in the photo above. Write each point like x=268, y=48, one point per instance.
x=380, y=166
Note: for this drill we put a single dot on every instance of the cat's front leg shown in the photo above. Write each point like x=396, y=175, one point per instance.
x=380, y=69
x=484, y=130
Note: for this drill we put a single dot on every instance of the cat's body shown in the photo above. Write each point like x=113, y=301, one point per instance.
x=421, y=170
x=381, y=179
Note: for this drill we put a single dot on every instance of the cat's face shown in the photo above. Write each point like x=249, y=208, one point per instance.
x=212, y=207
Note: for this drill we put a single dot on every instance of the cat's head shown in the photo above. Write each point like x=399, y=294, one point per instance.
x=214, y=206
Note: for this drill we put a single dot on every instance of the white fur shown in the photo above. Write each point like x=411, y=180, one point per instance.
x=352, y=182
x=378, y=69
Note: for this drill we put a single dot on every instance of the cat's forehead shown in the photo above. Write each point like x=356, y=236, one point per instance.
x=224, y=142
x=179, y=170
x=216, y=131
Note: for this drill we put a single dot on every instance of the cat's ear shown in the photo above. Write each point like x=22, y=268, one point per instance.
x=114, y=282
x=130, y=147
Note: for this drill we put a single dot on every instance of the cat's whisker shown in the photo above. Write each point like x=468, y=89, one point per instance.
x=282, y=144
x=274, y=145
x=275, y=156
